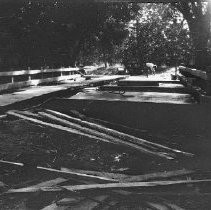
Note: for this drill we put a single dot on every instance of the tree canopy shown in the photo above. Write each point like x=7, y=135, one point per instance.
x=159, y=35
x=198, y=16
x=54, y=33
x=62, y=33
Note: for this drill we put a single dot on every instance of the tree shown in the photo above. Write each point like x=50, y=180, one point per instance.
x=198, y=17
x=108, y=34
x=159, y=35
x=56, y=33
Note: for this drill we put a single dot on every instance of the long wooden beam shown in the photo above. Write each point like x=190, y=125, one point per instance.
x=108, y=186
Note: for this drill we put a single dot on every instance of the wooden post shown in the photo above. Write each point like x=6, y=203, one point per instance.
x=208, y=87
x=208, y=82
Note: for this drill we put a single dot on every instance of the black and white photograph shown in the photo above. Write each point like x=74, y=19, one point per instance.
x=105, y=104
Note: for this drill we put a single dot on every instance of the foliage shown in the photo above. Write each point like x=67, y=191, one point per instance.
x=198, y=17
x=62, y=33
x=159, y=35
x=59, y=33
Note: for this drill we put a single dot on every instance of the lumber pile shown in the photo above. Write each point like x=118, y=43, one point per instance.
x=97, y=189
x=98, y=132
x=113, y=181
x=77, y=196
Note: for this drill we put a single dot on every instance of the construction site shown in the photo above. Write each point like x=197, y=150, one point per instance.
x=103, y=139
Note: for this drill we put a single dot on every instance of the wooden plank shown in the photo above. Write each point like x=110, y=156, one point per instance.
x=112, y=125
x=101, y=135
x=109, y=186
x=158, y=175
x=66, y=172
x=53, y=206
x=72, y=172
x=63, y=204
x=11, y=163
x=3, y=116
x=141, y=82
x=118, y=134
x=173, y=206
x=109, y=138
x=85, y=204
x=49, y=183
x=202, y=79
x=163, y=205
x=90, y=204
x=134, y=178
x=157, y=206
x=145, y=89
x=194, y=72
x=78, y=174
x=112, y=176
x=98, y=81
x=59, y=127
x=69, y=201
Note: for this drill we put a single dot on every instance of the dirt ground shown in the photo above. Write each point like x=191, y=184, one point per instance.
x=53, y=148
x=22, y=141
x=32, y=144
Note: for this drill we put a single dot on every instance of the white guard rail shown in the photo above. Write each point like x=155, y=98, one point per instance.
x=19, y=79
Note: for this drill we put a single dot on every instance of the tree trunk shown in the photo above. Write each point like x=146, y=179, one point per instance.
x=199, y=26
x=200, y=34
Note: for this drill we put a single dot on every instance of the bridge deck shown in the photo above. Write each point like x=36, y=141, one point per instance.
x=153, y=97
x=28, y=93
